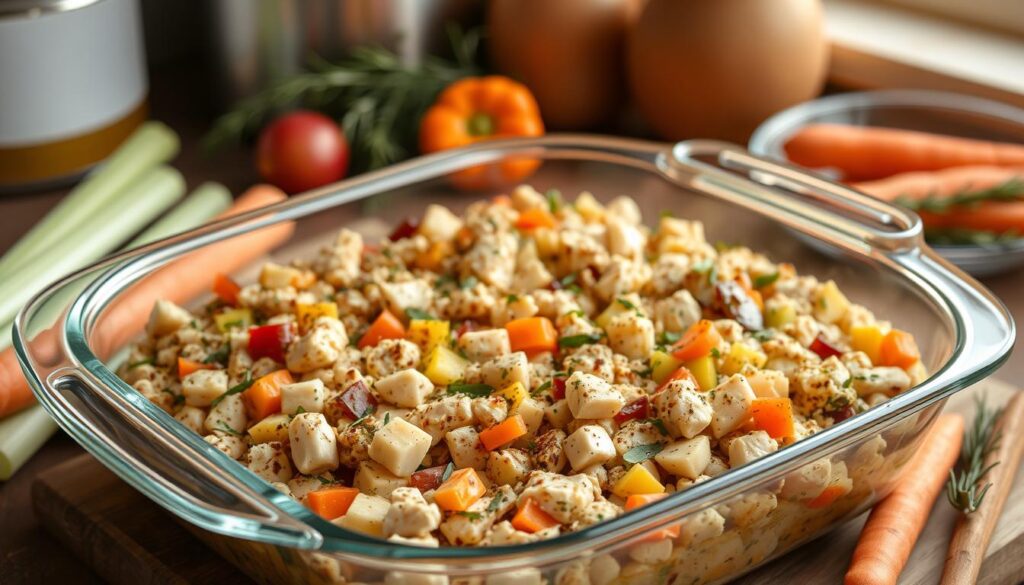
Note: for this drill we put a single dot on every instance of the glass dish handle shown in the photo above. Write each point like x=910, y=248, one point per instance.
x=181, y=472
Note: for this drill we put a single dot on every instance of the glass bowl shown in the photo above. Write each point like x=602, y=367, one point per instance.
x=925, y=111
x=68, y=340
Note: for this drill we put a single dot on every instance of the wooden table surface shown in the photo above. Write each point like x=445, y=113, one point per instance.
x=27, y=553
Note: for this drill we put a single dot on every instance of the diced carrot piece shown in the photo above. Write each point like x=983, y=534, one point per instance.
x=186, y=367
x=386, y=326
x=532, y=518
x=827, y=496
x=226, y=289
x=503, y=200
x=681, y=373
x=332, y=502
x=698, y=341
x=263, y=398
x=638, y=500
x=460, y=491
x=532, y=335
x=535, y=218
x=774, y=416
x=899, y=349
x=503, y=433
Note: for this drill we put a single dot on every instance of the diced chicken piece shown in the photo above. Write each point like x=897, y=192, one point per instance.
x=301, y=397
x=493, y=259
x=400, y=447
x=625, y=208
x=590, y=397
x=687, y=458
x=668, y=274
x=677, y=312
x=319, y=348
x=751, y=508
x=302, y=485
x=885, y=380
x=621, y=277
x=595, y=359
x=390, y=356
x=231, y=445
x=339, y=264
x=635, y=433
x=503, y=534
x=202, y=387
x=406, y=578
x=366, y=515
x=651, y=553
x=701, y=527
x=192, y=417
x=603, y=570
x=472, y=527
x=410, y=515
x=424, y=541
x=549, y=451
x=769, y=384
x=373, y=478
x=561, y=496
x=490, y=410
x=684, y=410
x=439, y=224
x=504, y=370
x=743, y=450
x=526, y=197
x=441, y=416
x=166, y=317
x=406, y=388
x=589, y=445
x=313, y=443
x=480, y=346
x=228, y=416
x=631, y=335
x=807, y=482
x=624, y=239
x=412, y=294
x=580, y=251
x=270, y=461
x=530, y=273
x=517, y=577
x=508, y=466
x=276, y=276
x=825, y=386
x=465, y=448
x=680, y=235
x=732, y=401
x=558, y=414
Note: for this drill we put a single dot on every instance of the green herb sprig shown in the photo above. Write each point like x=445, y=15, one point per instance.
x=965, y=490
x=1010, y=190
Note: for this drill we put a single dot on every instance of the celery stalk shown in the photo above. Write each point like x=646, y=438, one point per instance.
x=136, y=207
x=153, y=143
x=22, y=434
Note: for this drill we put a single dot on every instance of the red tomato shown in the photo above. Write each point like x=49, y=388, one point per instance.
x=302, y=150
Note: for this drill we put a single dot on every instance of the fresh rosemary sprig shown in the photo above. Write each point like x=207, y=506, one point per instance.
x=969, y=237
x=378, y=99
x=964, y=489
x=1010, y=190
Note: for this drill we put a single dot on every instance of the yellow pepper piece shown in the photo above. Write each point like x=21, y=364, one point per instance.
x=741, y=355
x=637, y=481
x=830, y=305
x=704, y=371
x=663, y=365
x=272, y=428
x=233, y=319
x=778, y=316
x=514, y=393
x=429, y=334
x=443, y=366
x=307, y=314
x=867, y=338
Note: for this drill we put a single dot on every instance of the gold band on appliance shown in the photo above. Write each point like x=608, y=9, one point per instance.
x=58, y=159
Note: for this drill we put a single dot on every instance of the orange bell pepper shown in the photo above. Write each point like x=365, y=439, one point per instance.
x=386, y=326
x=333, y=502
x=698, y=341
x=226, y=289
x=483, y=108
x=637, y=500
x=774, y=416
x=899, y=349
x=827, y=497
x=503, y=433
x=535, y=218
x=186, y=367
x=460, y=491
x=531, y=518
x=532, y=335
x=263, y=398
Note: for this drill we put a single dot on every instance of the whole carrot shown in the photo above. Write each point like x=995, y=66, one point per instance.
x=943, y=183
x=864, y=153
x=178, y=281
x=891, y=530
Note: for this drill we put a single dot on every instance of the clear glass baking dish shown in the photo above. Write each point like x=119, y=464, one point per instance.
x=734, y=522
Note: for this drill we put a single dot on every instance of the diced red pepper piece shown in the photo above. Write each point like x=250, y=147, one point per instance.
x=841, y=414
x=406, y=229
x=465, y=327
x=637, y=409
x=427, y=479
x=823, y=348
x=270, y=341
x=358, y=399
x=558, y=388
x=681, y=373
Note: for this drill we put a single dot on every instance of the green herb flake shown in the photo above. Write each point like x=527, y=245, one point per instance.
x=496, y=502
x=669, y=337
x=658, y=424
x=448, y=470
x=579, y=340
x=511, y=299
x=642, y=453
x=236, y=389
x=223, y=426
x=766, y=279
x=473, y=390
x=715, y=353
x=541, y=389
x=419, y=315
x=470, y=515
x=554, y=197
x=143, y=362
x=703, y=267
x=323, y=480
x=218, y=357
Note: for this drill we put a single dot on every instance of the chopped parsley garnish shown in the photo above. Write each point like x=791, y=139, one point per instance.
x=323, y=480
x=448, y=470
x=387, y=418
x=669, y=337
x=554, y=197
x=218, y=357
x=299, y=410
x=511, y=299
x=474, y=390
x=766, y=279
x=223, y=426
x=715, y=353
x=236, y=389
x=470, y=515
x=496, y=502
x=642, y=453
x=145, y=362
x=567, y=280
x=848, y=382
x=419, y=315
x=468, y=282
x=362, y=418
x=658, y=424
x=540, y=389
x=629, y=305
x=579, y=340
x=763, y=335
x=703, y=266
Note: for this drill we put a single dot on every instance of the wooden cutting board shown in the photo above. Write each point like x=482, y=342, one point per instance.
x=127, y=539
